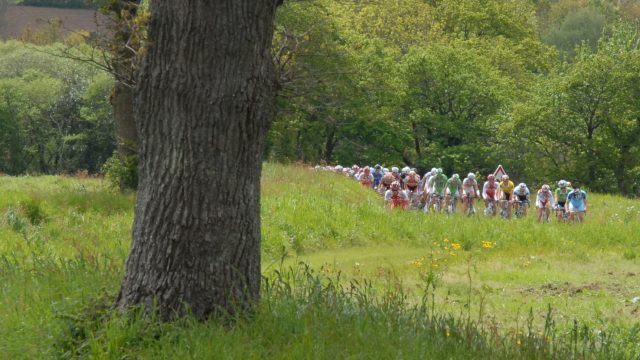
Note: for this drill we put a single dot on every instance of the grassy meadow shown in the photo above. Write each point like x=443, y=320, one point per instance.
x=344, y=278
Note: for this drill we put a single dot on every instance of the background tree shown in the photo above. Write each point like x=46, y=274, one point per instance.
x=452, y=97
x=55, y=112
x=582, y=25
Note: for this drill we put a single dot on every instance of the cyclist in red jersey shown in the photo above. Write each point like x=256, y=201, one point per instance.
x=385, y=182
x=366, y=178
x=490, y=192
x=395, y=197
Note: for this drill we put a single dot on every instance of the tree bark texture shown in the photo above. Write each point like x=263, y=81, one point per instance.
x=124, y=119
x=123, y=62
x=204, y=102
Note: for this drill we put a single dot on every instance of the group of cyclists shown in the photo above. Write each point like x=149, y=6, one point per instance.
x=405, y=189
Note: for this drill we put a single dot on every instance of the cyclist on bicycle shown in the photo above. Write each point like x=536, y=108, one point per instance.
x=427, y=179
x=395, y=197
x=576, y=203
x=522, y=193
x=490, y=192
x=426, y=188
x=506, y=193
x=469, y=191
x=561, y=194
x=377, y=175
x=403, y=174
x=411, y=182
x=366, y=178
x=396, y=174
x=385, y=182
x=544, y=201
x=423, y=180
x=454, y=187
x=438, y=183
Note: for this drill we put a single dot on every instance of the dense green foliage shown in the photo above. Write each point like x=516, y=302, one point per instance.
x=55, y=114
x=65, y=241
x=463, y=85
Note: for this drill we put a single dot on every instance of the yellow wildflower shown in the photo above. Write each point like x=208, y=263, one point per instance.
x=455, y=246
x=487, y=244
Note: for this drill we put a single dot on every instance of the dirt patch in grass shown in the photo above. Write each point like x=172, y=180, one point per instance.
x=567, y=289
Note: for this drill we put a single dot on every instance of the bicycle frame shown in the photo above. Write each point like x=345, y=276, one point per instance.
x=504, y=209
x=519, y=208
x=490, y=210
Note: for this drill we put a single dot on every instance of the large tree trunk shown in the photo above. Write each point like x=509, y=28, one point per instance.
x=205, y=99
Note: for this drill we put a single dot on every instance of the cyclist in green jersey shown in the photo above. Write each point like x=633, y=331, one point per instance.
x=453, y=191
x=561, y=194
x=438, y=184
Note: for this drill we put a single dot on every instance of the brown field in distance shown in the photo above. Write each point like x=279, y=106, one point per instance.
x=18, y=18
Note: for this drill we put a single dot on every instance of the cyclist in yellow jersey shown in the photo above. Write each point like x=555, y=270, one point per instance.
x=506, y=192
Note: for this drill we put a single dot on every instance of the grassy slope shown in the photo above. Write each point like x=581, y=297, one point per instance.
x=589, y=271
x=48, y=271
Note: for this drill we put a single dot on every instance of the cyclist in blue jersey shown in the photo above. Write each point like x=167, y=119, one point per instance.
x=576, y=203
x=377, y=175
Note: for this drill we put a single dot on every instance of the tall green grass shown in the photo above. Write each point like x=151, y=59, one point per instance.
x=63, y=243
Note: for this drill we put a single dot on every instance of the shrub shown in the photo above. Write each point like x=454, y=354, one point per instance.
x=121, y=171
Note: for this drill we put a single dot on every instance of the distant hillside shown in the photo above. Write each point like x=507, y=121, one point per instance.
x=17, y=18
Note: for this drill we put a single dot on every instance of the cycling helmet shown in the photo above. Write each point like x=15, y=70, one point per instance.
x=433, y=170
x=377, y=167
x=412, y=173
x=522, y=188
x=395, y=185
x=438, y=171
x=505, y=177
x=455, y=176
x=366, y=169
x=405, y=169
x=562, y=184
x=386, y=170
x=394, y=169
x=471, y=176
x=338, y=168
x=546, y=187
x=491, y=177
